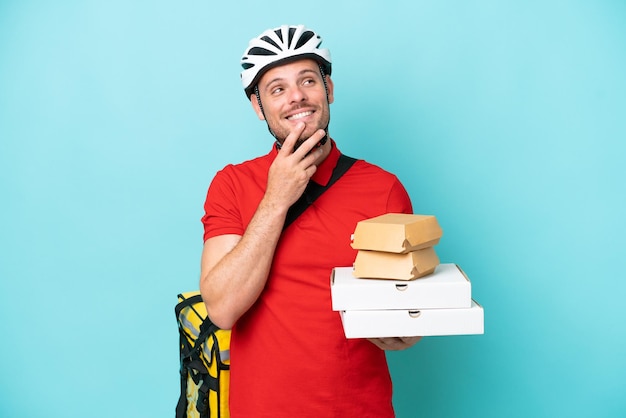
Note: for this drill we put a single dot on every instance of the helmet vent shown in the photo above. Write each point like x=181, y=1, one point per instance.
x=292, y=31
x=279, y=33
x=304, y=38
x=260, y=51
x=271, y=41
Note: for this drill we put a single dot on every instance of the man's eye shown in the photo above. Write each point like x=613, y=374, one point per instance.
x=309, y=82
x=277, y=90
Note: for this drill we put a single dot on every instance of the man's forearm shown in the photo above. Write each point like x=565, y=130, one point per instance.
x=233, y=278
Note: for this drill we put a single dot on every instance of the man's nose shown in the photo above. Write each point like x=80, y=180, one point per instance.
x=296, y=94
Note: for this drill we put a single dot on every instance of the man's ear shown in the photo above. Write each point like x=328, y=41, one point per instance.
x=256, y=107
x=331, y=89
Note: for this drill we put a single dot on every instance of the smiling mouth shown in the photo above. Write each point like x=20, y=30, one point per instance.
x=299, y=115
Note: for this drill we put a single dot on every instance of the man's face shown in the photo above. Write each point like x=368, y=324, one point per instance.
x=294, y=93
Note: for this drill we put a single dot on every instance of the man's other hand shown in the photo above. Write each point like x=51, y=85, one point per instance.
x=394, y=343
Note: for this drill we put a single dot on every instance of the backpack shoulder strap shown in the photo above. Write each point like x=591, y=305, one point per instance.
x=314, y=190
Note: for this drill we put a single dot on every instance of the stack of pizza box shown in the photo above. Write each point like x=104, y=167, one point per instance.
x=397, y=286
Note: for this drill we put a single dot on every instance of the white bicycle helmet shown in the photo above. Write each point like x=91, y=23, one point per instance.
x=278, y=46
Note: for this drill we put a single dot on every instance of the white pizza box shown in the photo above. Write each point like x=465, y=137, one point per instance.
x=396, y=233
x=384, y=265
x=413, y=322
x=447, y=287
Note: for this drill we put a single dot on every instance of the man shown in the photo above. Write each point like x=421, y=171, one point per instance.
x=289, y=356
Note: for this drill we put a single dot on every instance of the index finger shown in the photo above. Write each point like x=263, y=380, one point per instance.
x=289, y=143
x=310, y=143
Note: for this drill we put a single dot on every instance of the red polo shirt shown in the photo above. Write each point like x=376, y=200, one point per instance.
x=289, y=355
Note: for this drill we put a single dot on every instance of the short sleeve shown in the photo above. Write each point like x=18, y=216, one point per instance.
x=399, y=200
x=221, y=213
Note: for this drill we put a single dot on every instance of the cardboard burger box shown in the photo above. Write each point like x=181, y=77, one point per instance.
x=406, y=266
x=397, y=233
x=447, y=287
x=413, y=322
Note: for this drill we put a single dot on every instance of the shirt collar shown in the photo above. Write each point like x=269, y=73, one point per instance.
x=325, y=169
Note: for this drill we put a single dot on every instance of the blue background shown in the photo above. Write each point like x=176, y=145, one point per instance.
x=504, y=119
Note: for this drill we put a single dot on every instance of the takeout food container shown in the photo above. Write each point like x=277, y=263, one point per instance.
x=447, y=287
x=397, y=233
x=413, y=322
x=407, y=266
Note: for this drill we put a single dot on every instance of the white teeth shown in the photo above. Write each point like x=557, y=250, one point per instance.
x=299, y=115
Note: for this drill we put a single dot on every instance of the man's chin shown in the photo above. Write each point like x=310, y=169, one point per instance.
x=282, y=136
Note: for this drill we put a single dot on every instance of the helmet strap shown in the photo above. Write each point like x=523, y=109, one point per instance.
x=323, y=73
x=258, y=100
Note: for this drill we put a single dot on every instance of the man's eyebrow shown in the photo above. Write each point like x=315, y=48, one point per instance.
x=302, y=72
